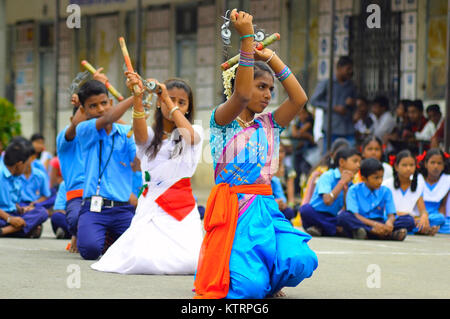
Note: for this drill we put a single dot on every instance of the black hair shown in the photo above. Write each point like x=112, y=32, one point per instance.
x=344, y=61
x=370, y=166
x=258, y=70
x=36, y=136
x=344, y=153
x=370, y=139
x=382, y=101
x=405, y=103
x=328, y=159
x=156, y=143
x=434, y=108
x=74, y=110
x=27, y=144
x=362, y=98
x=404, y=154
x=430, y=153
x=418, y=104
x=16, y=152
x=90, y=88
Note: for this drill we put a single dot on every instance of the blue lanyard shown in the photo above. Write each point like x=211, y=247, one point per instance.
x=100, y=171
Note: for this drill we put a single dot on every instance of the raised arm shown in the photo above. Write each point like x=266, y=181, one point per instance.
x=228, y=111
x=139, y=118
x=296, y=99
x=76, y=119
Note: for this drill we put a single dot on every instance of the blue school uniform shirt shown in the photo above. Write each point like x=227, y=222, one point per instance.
x=71, y=161
x=9, y=189
x=117, y=178
x=277, y=189
x=37, y=165
x=137, y=182
x=60, y=200
x=372, y=204
x=35, y=186
x=325, y=184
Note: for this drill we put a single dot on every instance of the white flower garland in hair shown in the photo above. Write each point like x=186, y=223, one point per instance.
x=227, y=76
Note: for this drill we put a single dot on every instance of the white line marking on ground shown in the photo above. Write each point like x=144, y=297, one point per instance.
x=380, y=253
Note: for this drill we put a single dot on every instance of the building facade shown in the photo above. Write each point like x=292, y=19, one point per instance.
x=178, y=38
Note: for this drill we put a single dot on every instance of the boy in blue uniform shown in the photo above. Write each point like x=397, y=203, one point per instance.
x=107, y=152
x=72, y=170
x=35, y=185
x=15, y=220
x=367, y=204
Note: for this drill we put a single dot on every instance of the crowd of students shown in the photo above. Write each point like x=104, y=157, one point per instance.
x=126, y=201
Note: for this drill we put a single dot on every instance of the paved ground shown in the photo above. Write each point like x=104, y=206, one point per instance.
x=348, y=269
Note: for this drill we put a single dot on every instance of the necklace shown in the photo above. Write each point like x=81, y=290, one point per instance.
x=245, y=124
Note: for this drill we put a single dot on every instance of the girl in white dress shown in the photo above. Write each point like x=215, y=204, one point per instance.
x=407, y=187
x=434, y=166
x=165, y=234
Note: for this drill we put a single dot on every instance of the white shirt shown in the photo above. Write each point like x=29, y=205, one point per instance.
x=406, y=202
x=428, y=131
x=439, y=191
x=383, y=125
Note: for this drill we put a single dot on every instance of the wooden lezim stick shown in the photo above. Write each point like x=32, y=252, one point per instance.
x=108, y=85
x=126, y=56
x=261, y=45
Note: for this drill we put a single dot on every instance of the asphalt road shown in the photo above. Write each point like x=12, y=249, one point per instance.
x=419, y=268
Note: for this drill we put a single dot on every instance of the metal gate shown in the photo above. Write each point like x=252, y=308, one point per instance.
x=376, y=52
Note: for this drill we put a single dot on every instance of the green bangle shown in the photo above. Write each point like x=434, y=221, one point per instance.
x=247, y=36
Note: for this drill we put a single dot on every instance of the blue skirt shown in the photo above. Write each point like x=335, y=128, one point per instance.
x=268, y=252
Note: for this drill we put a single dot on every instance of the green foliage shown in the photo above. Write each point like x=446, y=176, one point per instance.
x=9, y=122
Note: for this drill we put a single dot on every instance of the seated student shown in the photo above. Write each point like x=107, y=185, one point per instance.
x=372, y=147
x=324, y=165
x=363, y=120
x=58, y=217
x=407, y=187
x=416, y=123
x=35, y=188
x=319, y=217
x=15, y=220
x=384, y=121
x=368, y=203
x=434, y=165
x=108, y=174
x=434, y=121
x=42, y=155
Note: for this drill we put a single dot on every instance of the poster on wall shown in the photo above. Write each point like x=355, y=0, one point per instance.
x=24, y=66
x=107, y=48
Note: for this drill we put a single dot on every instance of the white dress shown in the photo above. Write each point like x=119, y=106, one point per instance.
x=156, y=242
x=406, y=202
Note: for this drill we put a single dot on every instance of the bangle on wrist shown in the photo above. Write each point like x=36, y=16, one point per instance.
x=331, y=195
x=269, y=59
x=247, y=36
x=138, y=115
x=8, y=219
x=283, y=74
x=173, y=110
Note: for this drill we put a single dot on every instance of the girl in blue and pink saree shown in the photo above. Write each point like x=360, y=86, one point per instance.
x=250, y=250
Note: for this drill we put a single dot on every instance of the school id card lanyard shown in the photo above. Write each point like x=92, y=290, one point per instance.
x=97, y=200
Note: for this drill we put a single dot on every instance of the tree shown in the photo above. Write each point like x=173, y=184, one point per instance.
x=9, y=122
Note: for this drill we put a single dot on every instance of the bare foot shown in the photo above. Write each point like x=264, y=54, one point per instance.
x=73, y=245
x=279, y=294
x=434, y=230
